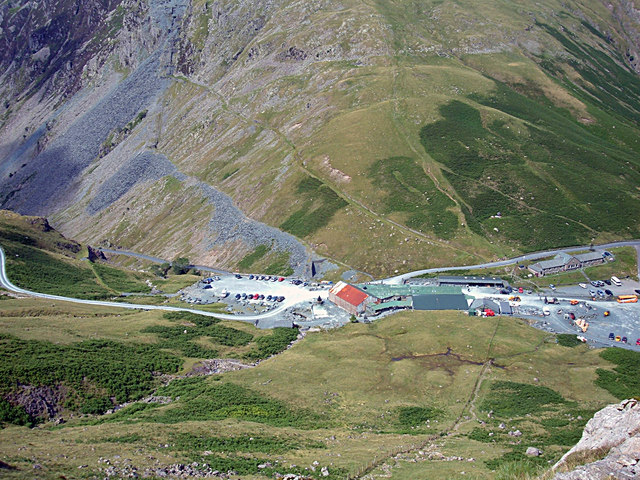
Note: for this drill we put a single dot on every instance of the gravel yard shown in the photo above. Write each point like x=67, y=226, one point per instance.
x=623, y=319
x=300, y=304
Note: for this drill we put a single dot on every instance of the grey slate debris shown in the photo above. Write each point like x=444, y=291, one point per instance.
x=50, y=178
x=143, y=167
x=229, y=223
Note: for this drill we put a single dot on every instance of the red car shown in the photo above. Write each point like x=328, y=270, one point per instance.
x=256, y=296
x=520, y=290
x=281, y=279
x=638, y=341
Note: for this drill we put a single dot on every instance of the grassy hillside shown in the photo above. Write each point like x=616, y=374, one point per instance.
x=41, y=259
x=393, y=143
x=386, y=135
x=397, y=395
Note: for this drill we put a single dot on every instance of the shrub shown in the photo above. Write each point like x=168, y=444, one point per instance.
x=202, y=400
x=273, y=344
x=321, y=204
x=415, y=416
x=14, y=414
x=568, y=340
x=123, y=371
x=510, y=399
x=180, y=266
x=624, y=381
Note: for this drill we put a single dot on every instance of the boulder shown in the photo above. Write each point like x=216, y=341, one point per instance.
x=533, y=452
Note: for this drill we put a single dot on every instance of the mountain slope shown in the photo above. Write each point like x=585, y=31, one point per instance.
x=382, y=134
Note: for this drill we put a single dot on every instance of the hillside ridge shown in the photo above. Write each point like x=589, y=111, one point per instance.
x=374, y=132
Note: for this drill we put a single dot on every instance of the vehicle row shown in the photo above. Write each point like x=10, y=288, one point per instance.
x=259, y=296
x=618, y=338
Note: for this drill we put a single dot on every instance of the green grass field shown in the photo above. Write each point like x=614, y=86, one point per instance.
x=367, y=392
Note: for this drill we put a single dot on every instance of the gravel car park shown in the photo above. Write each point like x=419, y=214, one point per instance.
x=575, y=304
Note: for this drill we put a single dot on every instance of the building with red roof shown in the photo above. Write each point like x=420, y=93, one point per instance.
x=349, y=298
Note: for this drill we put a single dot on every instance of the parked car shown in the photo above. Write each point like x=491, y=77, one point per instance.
x=600, y=283
x=638, y=342
x=269, y=297
x=250, y=277
x=238, y=275
x=238, y=296
x=593, y=283
x=582, y=285
x=520, y=290
x=609, y=293
x=618, y=338
x=611, y=336
x=256, y=296
x=637, y=292
x=572, y=315
x=608, y=282
x=600, y=293
x=624, y=339
x=592, y=293
x=552, y=286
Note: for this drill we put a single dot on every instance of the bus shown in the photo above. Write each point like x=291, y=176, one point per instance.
x=616, y=281
x=627, y=298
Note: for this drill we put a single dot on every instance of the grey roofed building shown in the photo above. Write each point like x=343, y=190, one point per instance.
x=440, y=302
x=563, y=262
x=505, y=308
x=558, y=261
x=535, y=269
x=589, y=257
x=471, y=280
x=482, y=303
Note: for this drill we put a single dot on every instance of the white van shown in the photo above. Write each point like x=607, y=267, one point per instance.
x=616, y=281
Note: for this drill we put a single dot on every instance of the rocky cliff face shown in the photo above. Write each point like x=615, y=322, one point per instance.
x=614, y=434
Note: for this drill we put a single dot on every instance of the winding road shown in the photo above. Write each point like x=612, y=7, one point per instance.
x=6, y=283
x=399, y=279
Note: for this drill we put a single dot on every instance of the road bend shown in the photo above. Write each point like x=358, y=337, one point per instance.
x=6, y=283
x=399, y=279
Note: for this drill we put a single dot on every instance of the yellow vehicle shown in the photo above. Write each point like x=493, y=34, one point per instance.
x=514, y=299
x=607, y=313
x=618, y=338
x=574, y=302
x=627, y=298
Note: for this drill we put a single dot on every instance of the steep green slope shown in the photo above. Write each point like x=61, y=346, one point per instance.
x=435, y=117
x=387, y=135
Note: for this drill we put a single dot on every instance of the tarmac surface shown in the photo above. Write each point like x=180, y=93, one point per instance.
x=623, y=319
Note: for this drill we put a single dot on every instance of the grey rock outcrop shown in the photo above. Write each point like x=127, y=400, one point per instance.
x=617, y=428
x=533, y=452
